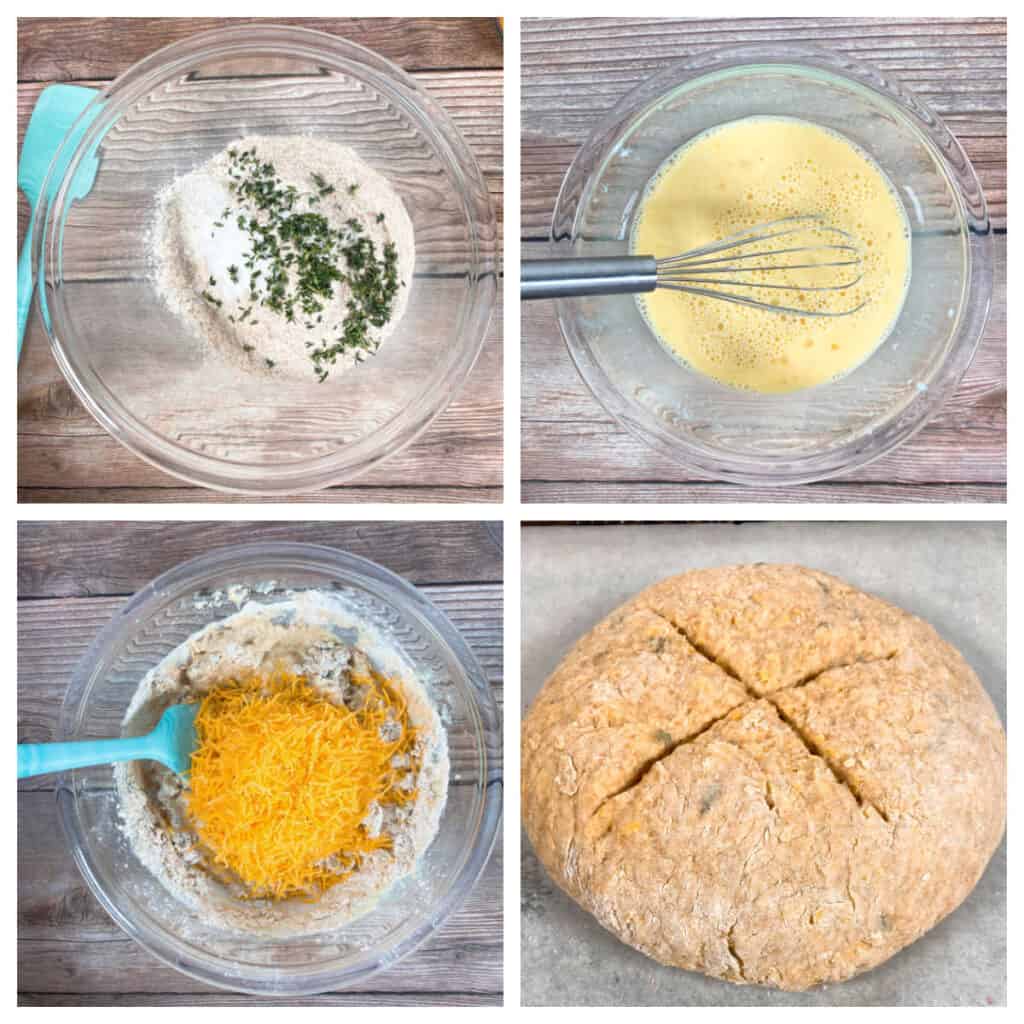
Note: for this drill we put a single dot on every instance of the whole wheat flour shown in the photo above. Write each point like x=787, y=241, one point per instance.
x=285, y=255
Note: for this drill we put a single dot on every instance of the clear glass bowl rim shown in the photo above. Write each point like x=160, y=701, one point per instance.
x=588, y=165
x=402, y=429
x=188, y=577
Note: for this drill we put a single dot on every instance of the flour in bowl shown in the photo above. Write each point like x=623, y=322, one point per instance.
x=285, y=254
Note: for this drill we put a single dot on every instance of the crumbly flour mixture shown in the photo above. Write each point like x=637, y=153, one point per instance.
x=310, y=635
x=285, y=255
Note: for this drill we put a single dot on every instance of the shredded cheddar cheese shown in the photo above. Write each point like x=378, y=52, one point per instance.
x=282, y=780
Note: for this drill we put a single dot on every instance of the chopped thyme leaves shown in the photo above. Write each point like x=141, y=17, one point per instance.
x=302, y=258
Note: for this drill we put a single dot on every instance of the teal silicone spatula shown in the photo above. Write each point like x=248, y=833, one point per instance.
x=53, y=119
x=171, y=743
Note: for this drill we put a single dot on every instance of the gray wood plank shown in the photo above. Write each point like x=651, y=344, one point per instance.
x=882, y=493
x=575, y=70
x=955, y=449
x=59, y=559
x=64, y=49
x=211, y=998
x=172, y=494
x=68, y=944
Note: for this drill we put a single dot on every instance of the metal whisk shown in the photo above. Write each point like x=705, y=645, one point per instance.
x=734, y=262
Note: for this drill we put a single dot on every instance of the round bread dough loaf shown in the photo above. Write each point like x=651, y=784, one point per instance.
x=761, y=773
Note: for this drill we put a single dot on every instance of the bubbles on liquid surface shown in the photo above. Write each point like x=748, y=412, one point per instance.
x=811, y=170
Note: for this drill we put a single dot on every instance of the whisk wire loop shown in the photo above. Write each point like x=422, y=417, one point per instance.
x=688, y=271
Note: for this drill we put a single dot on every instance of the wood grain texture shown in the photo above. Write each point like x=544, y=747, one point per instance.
x=181, y=494
x=88, y=559
x=69, y=951
x=615, y=493
x=64, y=455
x=69, y=49
x=352, y=999
x=576, y=70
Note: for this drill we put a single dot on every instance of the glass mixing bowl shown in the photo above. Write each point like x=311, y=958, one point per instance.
x=152, y=624
x=134, y=364
x=725, y=433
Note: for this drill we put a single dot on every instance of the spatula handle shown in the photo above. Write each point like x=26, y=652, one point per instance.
x=42, y=758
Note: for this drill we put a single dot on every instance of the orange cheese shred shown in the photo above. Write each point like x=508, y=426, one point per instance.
x=282, y=780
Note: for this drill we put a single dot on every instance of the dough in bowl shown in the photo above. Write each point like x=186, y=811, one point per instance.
x=763, y=774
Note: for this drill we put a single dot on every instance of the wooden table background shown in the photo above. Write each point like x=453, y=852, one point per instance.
x=573, y=71
x=72, y=578
x=64, y=455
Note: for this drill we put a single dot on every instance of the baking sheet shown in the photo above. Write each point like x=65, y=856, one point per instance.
x=951, y=574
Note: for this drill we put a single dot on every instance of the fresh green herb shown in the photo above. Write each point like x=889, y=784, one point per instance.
x=302, y=258
x=322, y=188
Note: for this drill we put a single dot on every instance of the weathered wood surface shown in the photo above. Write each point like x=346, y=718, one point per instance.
x=63, y=453
x=576, y=70
x=90, y=559
x=629, y=493
x=182, y=494
x=70, y=952
x=354, y=999
x=64, y=50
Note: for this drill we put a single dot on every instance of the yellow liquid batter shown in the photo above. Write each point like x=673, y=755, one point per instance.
x=749, y=172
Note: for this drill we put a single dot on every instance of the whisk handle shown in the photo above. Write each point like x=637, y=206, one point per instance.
x=582, y=276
